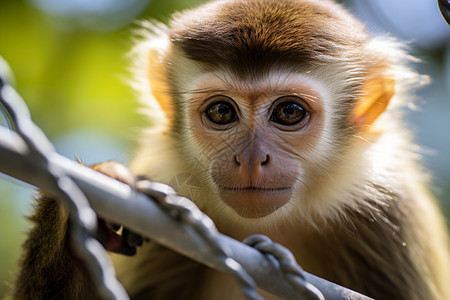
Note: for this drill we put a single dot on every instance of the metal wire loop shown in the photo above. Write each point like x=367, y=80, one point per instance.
x=189, y=214
x=288, y=266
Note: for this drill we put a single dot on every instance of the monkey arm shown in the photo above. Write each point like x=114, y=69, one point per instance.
x=49, y=267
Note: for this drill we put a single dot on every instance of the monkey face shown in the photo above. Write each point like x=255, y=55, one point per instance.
x=256, y=137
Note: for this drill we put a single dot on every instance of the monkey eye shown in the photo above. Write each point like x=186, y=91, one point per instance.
x=288, y=113
x=221, y=113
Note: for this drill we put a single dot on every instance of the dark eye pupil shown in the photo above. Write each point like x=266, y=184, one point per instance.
x=223, y=110
x=288, y=113
x=221, y=113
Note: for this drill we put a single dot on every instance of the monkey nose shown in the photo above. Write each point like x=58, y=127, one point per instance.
x=252, y=161
x=236, y=160
x=266, y=160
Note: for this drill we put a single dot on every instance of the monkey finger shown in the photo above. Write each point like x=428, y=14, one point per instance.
x=124, y=249
x=132, y=239
x=112, y=241
x=115, y=227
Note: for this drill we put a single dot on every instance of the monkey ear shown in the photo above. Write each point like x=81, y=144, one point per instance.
x=158, y=82
x=376, y=94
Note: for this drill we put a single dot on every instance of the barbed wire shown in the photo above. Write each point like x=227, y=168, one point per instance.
x=188, y=213
x=31, y=149
x=293, y=273
x=83, y=219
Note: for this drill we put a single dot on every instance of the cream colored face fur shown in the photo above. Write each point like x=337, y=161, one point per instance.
x=258, y=167
x=314, y=182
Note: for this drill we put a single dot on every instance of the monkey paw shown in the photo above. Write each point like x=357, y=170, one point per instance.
x=113, y=237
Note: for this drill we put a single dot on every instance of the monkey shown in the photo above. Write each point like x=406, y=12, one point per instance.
x=286, y=115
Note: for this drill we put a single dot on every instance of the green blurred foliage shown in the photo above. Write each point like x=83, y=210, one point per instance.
x=73, y=80
x=12, y=233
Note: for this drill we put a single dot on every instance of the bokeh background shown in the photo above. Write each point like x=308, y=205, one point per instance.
x=69, y=62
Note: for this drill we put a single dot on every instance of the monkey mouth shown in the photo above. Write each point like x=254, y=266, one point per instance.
x=254, y=188
x=255, y=201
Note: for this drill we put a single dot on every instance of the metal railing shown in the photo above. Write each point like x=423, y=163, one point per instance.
x=26, y=154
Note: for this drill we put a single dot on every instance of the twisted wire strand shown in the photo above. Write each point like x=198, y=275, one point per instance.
x=189, y=214
x=83, y=218
x=288, y=266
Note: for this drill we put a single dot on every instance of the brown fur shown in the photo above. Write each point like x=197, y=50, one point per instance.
x=48, y=266
x=252, y=36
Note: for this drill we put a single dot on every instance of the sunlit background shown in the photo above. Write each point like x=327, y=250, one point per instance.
x=69, y=62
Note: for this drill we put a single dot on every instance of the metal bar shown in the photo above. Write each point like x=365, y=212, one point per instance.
x=121, y=204
x=444, y=6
